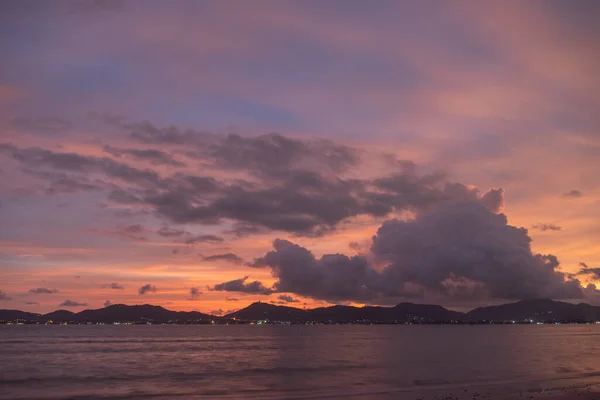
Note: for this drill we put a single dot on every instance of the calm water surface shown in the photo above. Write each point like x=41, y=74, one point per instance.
x=290, y=362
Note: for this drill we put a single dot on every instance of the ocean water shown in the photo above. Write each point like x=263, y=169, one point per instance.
x=292, y=362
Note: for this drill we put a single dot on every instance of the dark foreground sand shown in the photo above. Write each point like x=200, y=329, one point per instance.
x=577, y=391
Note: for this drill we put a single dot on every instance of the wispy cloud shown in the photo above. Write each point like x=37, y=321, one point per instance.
x=546, y=227
x=148, y=288
x=574, y=193
x=43, y=290
x=195, y=293
x=71, y=303
x=113, y=286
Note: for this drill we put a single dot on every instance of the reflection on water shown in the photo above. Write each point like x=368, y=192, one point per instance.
x=289, y=361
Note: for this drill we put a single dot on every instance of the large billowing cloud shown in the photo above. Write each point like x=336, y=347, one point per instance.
x=468, y=241
x=462, y=250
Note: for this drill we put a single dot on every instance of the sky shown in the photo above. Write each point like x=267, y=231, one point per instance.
x=203, y=155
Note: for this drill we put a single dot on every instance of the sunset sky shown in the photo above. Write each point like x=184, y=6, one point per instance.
x=203, y=155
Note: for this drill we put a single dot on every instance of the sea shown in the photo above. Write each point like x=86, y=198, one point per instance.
x=271, y=362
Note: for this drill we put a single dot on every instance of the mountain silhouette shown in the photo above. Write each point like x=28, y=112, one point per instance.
x=536, y=310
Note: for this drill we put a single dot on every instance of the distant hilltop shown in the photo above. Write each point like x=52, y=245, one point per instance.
x=526, y=311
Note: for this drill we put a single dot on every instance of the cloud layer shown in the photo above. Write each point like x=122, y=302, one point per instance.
x=140, y=147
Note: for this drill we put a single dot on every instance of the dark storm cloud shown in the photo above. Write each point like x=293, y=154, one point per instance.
x=214, y=239
x=300, y=193
x=195, y=293
x=300, y=201
x=148, y=288
x=461, y=250
x=240, y=285
x=107, y=303
x=574, y=193
x=155, y=157
x=71, y=303
x=168, y=232
x=229, y=257
x=586, y=270
x=41, y=124
x=113, y=286
x=546, y=227
x=4, y=296
x=43, y=290
x=310, y=204
x=288, y=299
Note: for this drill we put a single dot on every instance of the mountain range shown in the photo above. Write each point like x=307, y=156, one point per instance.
x=111, y=314
x=539, y=310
